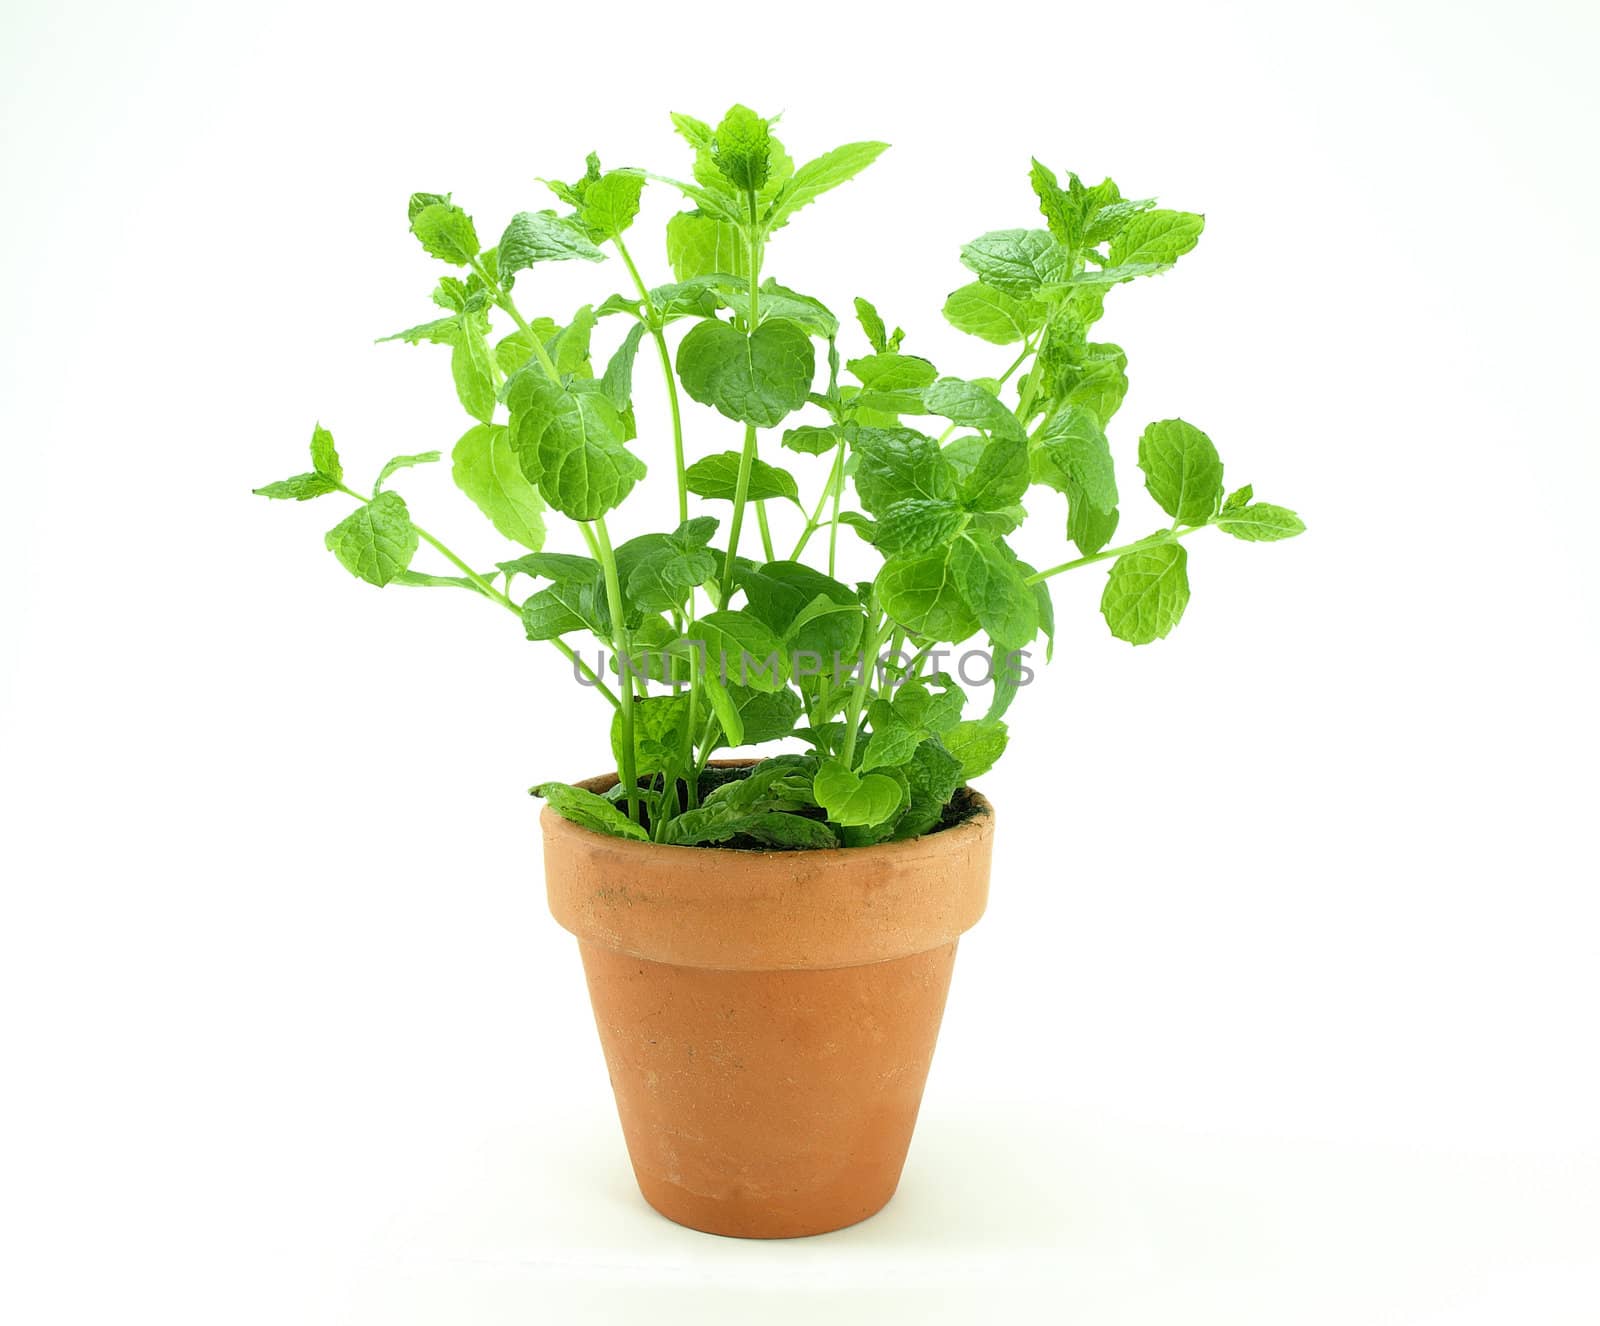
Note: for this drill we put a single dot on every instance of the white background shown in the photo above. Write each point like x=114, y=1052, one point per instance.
x=1285, y=1006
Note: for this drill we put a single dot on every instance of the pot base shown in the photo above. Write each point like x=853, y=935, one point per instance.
x=768, y=1104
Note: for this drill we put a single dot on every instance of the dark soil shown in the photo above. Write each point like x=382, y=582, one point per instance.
x=961, y=808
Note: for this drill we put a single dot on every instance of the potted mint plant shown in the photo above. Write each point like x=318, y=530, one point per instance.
x=768, y=941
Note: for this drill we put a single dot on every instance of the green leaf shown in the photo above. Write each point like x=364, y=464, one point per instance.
x=815, y=178
x=776, y=301
x=1072, y=453
x=569, y=440
x=1160, y=237
x=589, y=811
x=722, y=707
x=888, y=373
x=514, y=351
x=977, y=743
x=485, y=468
x=1239, y=498
x=324, y=456
x=920, y=594
x=933, y=774
x=300, y=487
x=441, y=331
x=376, y=541
x=918, y=525
x=700, y=245
x=989, y=579
x=1182, y=470
x=662, y=581
x=401, y=463
x=542, y=237
x=660, y=724
x=717, y=477
x=1261, y=522
x=418, y=201
x=765, y=715
x=566, y=606
x=1062, y=211
x=1146, y=593
x=741, y=148
x=1087, y=526
x=569, y=347
x=893, y=464
x=891, y=743
x=618, y=380
x=611, y=203
x=552, y=566
x=851, y=798
x=756, y=379
x=810, y=440
x=981, y=310
x=872, y=325
x=741, y=650
x=1001, y=475
x=445, y=231
x=1017, y=262
x=469, y=364
x=970, y=405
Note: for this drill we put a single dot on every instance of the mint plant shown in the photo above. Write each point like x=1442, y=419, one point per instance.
x=707, y=646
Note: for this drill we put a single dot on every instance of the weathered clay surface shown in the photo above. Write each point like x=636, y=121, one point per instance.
x=768, y=1018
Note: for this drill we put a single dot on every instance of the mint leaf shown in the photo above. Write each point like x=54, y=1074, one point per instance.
x=589, y=811
x=920, y=593
x=700, y=245
x=977, y=743
x=1261, y=522
x=401, y=463
x=569, y=440
x=485, y=468
x=618, y=380
x=810, y=440
x=542, y=237
x=933, y=775
x=1182, y=470
x=918, y=525
x=1159, y=237
x=815, y=178
x=445, y=231
x=1087, y=525
x=872, y=325
x=659, y=724
x=1017, y=262
x=741, y=148
x=756, y=379
x=469, y=365
x=741, y=650
x=987, y=576
x=717, y=477
x=1146, y=593
x=890, y=372
x=1073, y=457
x=893, y=464
x=971, y=405
x=611, y=203
x=376, y=541
x=299, y=487
x=324, y=456
x=1001, y=474
x=981, y=310
x=1240, y=497
x=851, y=798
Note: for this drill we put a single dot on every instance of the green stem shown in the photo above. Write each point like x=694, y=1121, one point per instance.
x=858, y=693
x=659, y=337
x=814, y=520
x=1150, y=541
x=766, y=532
x=747, y=457
x=619, y=644
x=838, y=495
x=490, y=592
x=504, y=300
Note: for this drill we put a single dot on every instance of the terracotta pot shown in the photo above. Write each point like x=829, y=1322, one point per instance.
x=767, y=1017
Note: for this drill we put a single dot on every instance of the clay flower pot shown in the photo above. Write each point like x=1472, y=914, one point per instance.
x=768, y=1017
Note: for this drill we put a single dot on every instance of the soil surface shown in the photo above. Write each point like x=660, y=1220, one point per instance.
x=961, y=808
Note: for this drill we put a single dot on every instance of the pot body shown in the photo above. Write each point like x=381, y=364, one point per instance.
x=768, y=1018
